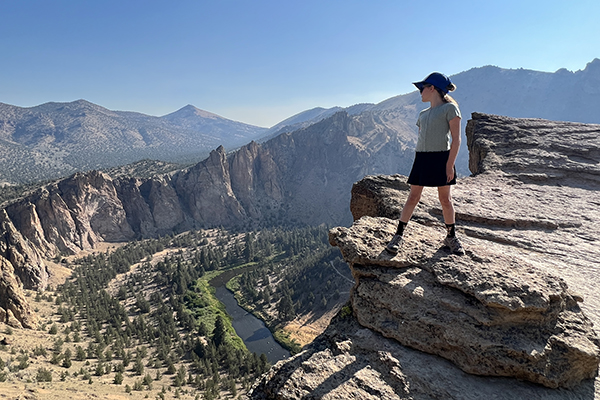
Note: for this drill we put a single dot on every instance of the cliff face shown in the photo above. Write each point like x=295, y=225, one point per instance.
x=302, y=177
x=513, y=318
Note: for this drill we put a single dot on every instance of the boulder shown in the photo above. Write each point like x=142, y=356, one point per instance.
x=489, y=312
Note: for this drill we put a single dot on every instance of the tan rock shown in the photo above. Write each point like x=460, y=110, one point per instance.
x=488, y=312
x=206, y=192
x=163, y=203
x=25, y=259
x=14, y=309
x=11, y=320
x=349, y=361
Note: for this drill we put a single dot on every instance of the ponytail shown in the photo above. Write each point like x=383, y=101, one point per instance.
x=446, y=98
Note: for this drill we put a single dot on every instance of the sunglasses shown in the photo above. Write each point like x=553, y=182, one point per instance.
x=424, y=87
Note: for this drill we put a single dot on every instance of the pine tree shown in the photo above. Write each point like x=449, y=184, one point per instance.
x=219, y=333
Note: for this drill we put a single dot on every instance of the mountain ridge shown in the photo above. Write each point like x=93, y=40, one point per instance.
x=56, y=139
x=256, y=186
x=521, y=93
x=187, y=135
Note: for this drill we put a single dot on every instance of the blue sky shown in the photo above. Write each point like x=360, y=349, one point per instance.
x=260, y=62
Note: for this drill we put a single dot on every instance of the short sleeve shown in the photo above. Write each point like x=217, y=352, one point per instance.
x=452, y=112
x=418, y=123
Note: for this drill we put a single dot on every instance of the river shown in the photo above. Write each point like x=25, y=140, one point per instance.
x=256, y=336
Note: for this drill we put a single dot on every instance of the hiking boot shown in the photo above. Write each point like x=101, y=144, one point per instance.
x=454, y=244
x=394, y=245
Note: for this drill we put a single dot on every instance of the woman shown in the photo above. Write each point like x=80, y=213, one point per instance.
x=437, y=147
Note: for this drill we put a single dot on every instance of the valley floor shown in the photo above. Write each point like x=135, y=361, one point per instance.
x=31, y=356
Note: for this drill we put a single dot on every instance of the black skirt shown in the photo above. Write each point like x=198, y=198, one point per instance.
x=429, y=169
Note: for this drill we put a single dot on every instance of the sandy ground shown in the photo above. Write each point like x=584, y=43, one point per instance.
x=305, y=328
x=22, y=384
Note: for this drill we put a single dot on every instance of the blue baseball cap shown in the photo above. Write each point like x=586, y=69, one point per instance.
x=436, y=79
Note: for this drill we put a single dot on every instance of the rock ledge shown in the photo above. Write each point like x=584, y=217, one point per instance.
x=488, y=312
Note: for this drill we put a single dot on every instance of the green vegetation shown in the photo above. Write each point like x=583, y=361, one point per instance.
x=43, y=375
x=210, y=315
x=293, y=274
x=163, y=314
x=12, y=192
x=346, y=311
x=38, y=174
x=148, y=309
x=143, y=169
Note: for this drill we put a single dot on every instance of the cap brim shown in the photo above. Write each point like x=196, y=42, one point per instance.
x=419, y=85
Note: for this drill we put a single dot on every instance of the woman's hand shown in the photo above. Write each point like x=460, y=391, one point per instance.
x=449, y=172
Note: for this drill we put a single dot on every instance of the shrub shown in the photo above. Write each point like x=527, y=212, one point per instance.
x=40, y=351
x=23, y=361
x=118, y=378
x=43, y=375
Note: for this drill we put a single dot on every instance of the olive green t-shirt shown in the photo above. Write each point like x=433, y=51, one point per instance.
x=434, y=128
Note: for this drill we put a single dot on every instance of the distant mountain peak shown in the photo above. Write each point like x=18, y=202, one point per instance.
x=192, y=111
x=593, y=65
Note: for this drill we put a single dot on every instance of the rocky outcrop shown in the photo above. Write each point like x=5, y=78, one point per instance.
x=296, y=178
x=19, y=251
x=535, y=151
x=349, y=361
x=14, y=309
x=489, y=312
x=518, y=307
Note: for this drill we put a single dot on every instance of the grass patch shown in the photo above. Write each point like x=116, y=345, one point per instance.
x=202, y=302
x=284, y=339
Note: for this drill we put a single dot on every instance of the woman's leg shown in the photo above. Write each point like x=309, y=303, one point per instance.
x=411, y=203
x=445, y=196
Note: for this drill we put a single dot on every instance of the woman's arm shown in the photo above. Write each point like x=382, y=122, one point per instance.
x=454, y=146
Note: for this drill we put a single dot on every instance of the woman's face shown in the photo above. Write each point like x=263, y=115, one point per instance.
x=426, y=93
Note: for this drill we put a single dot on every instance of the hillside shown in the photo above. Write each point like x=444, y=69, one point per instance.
x=56, y=139
x=141, y=319
x=257, y=186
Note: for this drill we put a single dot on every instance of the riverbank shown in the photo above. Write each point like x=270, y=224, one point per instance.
x=202, y=302
x=256, y=336
x=276, y=327
x=248, y=328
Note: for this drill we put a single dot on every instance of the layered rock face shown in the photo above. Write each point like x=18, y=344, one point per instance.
x=14, y=309
x=519, y=307
x=296, y=178
x=489, y=312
